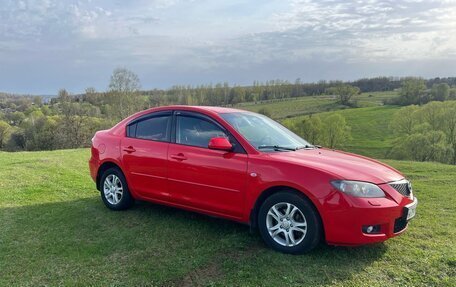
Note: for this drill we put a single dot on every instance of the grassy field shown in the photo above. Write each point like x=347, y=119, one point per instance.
x=310, y=105
x=369, y=129
x=369, y=123
x=54, y=230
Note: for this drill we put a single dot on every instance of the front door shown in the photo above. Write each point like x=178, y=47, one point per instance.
x=202, y=178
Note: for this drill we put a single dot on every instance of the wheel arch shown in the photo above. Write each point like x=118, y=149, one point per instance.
x=275, y=189
x=104, y=167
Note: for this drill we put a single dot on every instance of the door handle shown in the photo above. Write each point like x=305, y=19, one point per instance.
x=129, y=149
x=179, y=156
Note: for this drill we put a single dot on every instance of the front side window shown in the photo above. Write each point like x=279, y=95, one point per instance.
x=155, y=128
x=196, y=131
x=264, y=133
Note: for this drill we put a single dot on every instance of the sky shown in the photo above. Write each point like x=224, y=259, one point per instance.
x=46, y=45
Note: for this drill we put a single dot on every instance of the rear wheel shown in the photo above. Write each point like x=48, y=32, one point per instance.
x=289, y=223
x=114, y=190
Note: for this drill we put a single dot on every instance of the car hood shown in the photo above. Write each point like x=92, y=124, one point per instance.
x=341, y=164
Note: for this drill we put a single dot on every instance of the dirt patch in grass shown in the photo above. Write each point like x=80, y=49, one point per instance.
x=212, y=272
x=201, y=276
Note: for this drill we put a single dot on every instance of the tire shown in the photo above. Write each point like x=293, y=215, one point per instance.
x=114, y=190
x=297, y=233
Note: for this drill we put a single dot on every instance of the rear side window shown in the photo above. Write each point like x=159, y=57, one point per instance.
x=155, y=128
x=196, y=132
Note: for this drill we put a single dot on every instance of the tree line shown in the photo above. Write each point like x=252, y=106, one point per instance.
x=69, y=121
x=416, y=91
x=422, y=133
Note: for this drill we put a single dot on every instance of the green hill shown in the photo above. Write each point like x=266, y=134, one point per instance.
x=369, y=129
x=293, y=107
x=54, y=230
x=369, y=123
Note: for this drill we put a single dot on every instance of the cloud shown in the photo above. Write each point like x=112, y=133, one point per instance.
x=198, y=41
x=373, y=30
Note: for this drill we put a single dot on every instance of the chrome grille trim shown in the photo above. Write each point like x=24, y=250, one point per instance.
x=403, y=187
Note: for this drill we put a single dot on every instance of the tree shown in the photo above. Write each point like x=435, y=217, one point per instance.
x=310, y=128
x=63, y=96
x=237, y=95
x=41, y=134
x=344, y=92
x=4, y=132
x=432, y=113
x=438, y=149
x=452, y=94
x=449, y=115
x=91, y=96
x=15, y=118
x=124, y=89
x=77, y=124
x=335, y=131
x=427, y=146
x=440, y=92
x=124, y=81
x=412, y=91
x=426, y=133
x=16, y=141
x=404, y=120
x=37, y=100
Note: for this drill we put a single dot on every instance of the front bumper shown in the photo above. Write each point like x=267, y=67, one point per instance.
x=344, y=223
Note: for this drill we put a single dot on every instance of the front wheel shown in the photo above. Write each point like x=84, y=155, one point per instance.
x=114, y=190
x=289, y=223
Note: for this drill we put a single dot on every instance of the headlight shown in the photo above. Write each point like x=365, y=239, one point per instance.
x=358, y=188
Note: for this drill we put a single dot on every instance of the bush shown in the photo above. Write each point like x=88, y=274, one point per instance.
x=331, y=132
x=426, y=133
x=16, y=141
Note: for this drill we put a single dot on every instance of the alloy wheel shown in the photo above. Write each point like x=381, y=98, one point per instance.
x=286, y=224
x=113, y=189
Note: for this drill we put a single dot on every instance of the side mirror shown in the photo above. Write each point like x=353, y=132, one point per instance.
x=220, y=144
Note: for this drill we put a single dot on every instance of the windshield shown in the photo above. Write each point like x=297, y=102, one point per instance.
x=264, y=133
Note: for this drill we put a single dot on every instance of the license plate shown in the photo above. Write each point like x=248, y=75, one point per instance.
x=411, y=209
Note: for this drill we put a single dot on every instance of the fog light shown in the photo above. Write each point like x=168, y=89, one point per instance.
x=371, y=229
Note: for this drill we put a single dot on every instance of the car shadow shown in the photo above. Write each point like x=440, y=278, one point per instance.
x=78, y=241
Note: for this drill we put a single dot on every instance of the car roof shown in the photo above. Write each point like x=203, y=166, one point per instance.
x=120, y=127
x=207, y=109
x=217, y=110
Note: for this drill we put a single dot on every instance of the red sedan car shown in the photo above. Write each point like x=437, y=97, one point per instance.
x=246, y=167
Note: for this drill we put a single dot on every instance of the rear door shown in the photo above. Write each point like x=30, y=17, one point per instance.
x=202, y=178
x=144, y=154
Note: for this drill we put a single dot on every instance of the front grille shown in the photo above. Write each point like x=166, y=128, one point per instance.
x=403, y=187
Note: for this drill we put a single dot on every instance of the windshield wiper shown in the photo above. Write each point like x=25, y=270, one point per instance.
x=305, y=146
x=277, y=147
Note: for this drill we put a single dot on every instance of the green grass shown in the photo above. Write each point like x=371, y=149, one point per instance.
x=292, y=107
x=374, y=98
x=54, y=230
x=369, y=129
